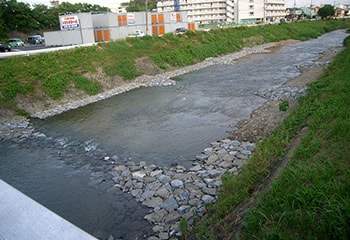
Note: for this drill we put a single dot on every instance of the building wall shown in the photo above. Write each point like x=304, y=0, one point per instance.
x=250, y=11
x=217, y=11
x=80, y=34
x=275, y=10
x=111, y=26
x=200, y=11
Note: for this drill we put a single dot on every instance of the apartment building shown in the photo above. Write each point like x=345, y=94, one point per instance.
x=200, y=11
x=229, y=11
x=275, y=10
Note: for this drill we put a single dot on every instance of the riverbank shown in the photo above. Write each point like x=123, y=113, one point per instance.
x=177, y=193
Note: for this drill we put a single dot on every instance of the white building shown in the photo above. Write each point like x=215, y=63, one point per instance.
x=275, y=10
x=88, y=28
x=218, y=11
x=249, y=11
x=200, y=11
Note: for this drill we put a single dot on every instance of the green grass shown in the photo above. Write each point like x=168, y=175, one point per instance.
x=53, y=72
x=311, y=198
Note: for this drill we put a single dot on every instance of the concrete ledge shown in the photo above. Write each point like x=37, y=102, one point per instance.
x=23, y=218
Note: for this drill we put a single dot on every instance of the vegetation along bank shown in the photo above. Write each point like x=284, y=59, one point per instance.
x=296, y=184
x=35, y=83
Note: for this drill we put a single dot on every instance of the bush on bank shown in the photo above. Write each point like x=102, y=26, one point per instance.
x=52, y=73
x=311, y=198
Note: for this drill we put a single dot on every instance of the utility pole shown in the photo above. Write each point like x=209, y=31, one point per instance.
x=264, y=20
x=146, y=18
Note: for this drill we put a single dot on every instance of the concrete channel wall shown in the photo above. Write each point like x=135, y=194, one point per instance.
x=23, y=218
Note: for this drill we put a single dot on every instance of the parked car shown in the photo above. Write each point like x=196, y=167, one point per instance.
x=5, y=47
x=180, y=30
x=36, y=39
x=16, y=42
x=137, y=33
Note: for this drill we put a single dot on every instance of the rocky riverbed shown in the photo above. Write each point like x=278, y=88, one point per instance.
x=175, y=193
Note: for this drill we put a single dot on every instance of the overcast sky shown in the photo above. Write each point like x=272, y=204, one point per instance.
x=115, y=3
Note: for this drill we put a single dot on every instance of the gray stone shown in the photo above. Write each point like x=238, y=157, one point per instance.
x=210, y=191
x=184, y=208
x=238, y=163
x=164, y=178
x=208, y=199
x=162, y=192
x=194, y=202
x=214, y=173
x=156, y=173
x=170, y=204
x=153, y=202
x=201, y=157
x=156, y=216
x=137, y=193
x=212, y=159
x=164, y=235
x=196, y=168
x=172, y=217
x=139, y=175
x=226, y=164
x=176, y=183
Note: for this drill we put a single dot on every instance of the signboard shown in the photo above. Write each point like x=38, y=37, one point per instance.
x=131, y=18
x=173, y=16
x=69, y=22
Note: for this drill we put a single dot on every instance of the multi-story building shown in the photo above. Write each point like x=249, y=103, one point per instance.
x=275, y=10
x=249, y=11
x=229, y=11
x=201, y=11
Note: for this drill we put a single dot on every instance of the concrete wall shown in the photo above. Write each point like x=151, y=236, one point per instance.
x=23, y=218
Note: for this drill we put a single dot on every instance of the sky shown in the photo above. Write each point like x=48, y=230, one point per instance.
x=116, y=3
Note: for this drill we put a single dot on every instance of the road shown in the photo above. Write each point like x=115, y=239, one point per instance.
x=29, y=50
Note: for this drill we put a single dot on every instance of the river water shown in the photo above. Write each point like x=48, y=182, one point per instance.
x=159, y=125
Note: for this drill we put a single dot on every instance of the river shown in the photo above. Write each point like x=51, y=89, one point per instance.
x=64, y=169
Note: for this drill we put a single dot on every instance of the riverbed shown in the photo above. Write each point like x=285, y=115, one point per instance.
x=66, y=161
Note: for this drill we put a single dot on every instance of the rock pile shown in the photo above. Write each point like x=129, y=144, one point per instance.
x=283, y=93
x=174, y=193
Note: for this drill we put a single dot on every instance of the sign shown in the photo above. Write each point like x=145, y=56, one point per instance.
x=69, y=22
x=131, y=18
x=173, y=16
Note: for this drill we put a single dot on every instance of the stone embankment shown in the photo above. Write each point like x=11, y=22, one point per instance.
x=176, y=192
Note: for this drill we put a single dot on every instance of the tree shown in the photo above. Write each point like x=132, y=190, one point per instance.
x=326, y=12
x=19, y=16
x=140, y=5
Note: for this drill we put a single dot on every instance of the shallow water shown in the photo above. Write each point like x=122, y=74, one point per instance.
x=159, y=125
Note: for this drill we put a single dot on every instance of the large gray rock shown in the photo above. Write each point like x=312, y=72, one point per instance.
x=170, y=204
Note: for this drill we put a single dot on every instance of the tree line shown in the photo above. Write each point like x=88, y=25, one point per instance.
x=21, y=17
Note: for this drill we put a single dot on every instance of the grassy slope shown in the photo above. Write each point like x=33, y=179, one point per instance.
x=311, y=199
x=53, y=73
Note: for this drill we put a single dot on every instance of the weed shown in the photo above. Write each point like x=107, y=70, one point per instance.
x=284, y=105
x=184, y=228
